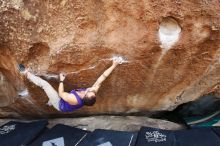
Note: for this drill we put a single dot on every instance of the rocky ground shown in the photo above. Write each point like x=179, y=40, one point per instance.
x=128, y=123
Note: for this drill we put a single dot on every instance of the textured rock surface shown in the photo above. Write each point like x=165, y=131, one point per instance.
x=79, y=37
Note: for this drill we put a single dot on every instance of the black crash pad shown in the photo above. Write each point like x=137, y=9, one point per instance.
x=16, y=133
x=154, y=137
x=197, y=137
x=109, y=138
x=60, y=135
x=188, y=137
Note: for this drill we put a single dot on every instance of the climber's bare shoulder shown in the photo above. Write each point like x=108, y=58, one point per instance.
x=70, y=98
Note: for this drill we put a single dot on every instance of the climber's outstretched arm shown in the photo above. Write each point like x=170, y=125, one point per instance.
x=102, y=78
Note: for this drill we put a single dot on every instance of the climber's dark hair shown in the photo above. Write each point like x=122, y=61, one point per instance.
x=89, y=101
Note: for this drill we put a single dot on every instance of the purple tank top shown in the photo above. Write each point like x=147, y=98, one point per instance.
x=66, y=107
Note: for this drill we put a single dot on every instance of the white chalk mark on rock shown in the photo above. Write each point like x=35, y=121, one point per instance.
x=169, y=32
x=107, y=59
x=55, y=76
x=50, y=76
x=76, y=72
x=23, y=93
x=1, y=79
x=119, y=59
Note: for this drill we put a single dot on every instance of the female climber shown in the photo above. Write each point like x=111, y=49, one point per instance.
x=68, y=102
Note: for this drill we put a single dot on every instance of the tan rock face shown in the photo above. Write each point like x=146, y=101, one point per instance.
x=172, y=50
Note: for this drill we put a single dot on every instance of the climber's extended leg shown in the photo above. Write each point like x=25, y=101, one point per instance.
x=48, y=89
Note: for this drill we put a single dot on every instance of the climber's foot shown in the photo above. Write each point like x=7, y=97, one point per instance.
x=22, y=69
